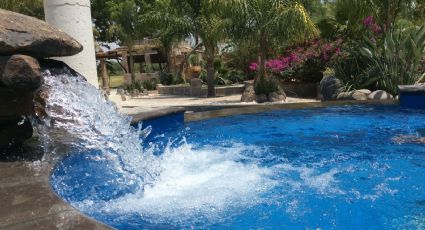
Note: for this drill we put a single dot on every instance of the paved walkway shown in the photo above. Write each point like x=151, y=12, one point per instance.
x=156, y=102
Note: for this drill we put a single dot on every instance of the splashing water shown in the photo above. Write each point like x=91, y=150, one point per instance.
x=78, y=108
x=176, y=186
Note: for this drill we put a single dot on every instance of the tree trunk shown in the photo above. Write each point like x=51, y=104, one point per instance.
x=132, y=70
x=261, y=60
x=168, y=52
x=104, y=74
x=210, y=51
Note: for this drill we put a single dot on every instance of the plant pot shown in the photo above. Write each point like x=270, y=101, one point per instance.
x=195, y=71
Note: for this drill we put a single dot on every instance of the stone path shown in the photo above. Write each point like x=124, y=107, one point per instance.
x=27, y=201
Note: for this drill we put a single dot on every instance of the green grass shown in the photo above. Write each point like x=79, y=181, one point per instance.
x=116, y=81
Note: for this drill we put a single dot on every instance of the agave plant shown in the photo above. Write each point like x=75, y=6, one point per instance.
x=397, y=59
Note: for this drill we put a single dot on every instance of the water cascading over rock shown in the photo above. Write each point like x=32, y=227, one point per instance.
x=25, y=43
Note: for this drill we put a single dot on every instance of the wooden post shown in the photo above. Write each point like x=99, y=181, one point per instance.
x=104, y=73
x=125, y=62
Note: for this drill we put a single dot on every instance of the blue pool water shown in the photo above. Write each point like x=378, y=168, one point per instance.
x=352, y=167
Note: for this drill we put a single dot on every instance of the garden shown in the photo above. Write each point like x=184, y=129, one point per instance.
x=365, y=45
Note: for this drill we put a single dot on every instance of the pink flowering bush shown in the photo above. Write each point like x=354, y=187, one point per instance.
x=369, y=23
x=304, y=62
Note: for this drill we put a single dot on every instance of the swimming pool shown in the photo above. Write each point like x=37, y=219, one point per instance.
x=347, y=167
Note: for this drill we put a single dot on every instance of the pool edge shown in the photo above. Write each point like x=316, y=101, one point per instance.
x=259, y=108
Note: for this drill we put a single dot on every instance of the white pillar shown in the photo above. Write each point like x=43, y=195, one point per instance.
x=74, y=18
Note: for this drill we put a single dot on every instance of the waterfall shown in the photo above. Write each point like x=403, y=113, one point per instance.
x=76, y=108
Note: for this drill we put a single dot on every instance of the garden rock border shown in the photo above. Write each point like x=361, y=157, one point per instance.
x=364, y=94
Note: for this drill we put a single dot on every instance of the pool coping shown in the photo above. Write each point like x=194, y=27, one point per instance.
x=260, y=108
x=29, y=201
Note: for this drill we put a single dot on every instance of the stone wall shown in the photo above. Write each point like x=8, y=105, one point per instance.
x=141, y=77
x=198, y=90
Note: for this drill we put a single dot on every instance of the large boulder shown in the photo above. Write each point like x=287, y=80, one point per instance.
x=380, y=95
x=365, y=91
x=249, y=93
x=21, y=72
x=261, y=98
x=20, y=34
x=330, y=88
x=276, y=97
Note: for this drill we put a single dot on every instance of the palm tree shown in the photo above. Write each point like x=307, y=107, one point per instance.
x=199, y=19
x=268, y=21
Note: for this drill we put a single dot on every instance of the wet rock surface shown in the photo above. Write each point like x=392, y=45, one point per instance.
x=21, y=72
x=21, y=34
x=14, y=131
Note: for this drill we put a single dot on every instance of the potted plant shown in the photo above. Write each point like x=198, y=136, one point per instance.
x=195, y=68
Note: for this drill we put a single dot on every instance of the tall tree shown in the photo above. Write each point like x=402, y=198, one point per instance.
x=29, y=7
x=197, y=19
x=127, y=26
x=167, y=27
x=102, y=20
x=268, y=21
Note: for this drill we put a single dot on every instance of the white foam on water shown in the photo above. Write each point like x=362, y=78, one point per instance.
x=299, y=178
x=197, y=184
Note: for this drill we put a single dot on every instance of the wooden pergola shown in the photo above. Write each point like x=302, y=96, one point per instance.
x=145, y=51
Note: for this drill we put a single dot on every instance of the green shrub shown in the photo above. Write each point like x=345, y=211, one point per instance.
x=265, y=86
x=166, y=78
x=149, y=85
x=138, y=85
x=224, y=75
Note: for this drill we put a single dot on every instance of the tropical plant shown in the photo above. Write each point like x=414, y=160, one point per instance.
x=194, y=60
x=137, y=85
x=397, y=59
x=198, y=19
x=268, y=21
x=149, y=84
x=225, y=75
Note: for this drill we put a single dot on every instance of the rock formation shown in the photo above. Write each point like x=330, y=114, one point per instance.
x=20, y=34
x=249, y=94
x=330, y=88
x=24, y=43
